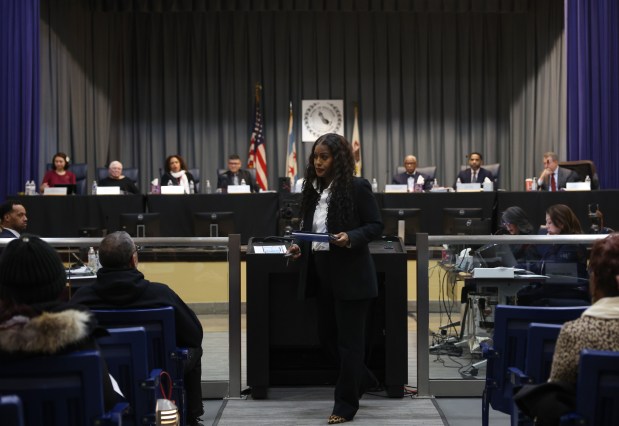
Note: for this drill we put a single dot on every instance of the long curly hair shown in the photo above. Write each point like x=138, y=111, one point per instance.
x=340, y=202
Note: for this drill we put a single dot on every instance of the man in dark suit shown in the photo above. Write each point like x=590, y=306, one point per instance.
x=120, y=285
x=13, y=219
x=475, y=173
x=410, y=164
x=553, y=177
x=235, y=175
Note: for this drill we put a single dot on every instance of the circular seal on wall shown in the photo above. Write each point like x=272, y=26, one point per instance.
x=320, y=117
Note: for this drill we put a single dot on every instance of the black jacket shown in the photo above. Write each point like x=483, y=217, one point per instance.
x=352, y=268
x=127, y=289
x=126, y=185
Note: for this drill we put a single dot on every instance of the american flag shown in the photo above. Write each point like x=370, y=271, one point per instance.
x=291, y=155
x=257, y=153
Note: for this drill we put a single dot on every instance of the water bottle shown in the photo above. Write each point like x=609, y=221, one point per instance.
x=33, y=188
x=374, y=185
x=208, y=186
x=534, y=184
x=588, y=181
x=243, y=182
x=94, y=188
x=411, y=184
x=192, y=187
x=92, y=259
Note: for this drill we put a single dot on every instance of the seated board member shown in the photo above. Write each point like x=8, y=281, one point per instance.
x=116, y=178
x=475, y=172
x=176, y=174
x=33, y=322
x=235, y=175
x=410, y=164
x=13, y=219
x=59, y=175
x=554, y=178
x=120, y=285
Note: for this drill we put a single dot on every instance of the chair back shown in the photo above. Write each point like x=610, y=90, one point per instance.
x=511, y=324
x=495, y=169
x=196, y=177
x=125, y=353
x=597, y=390
x=11, y=410
x=160, y=328
x=58, y=390
x=584, y=168
x=541, y=342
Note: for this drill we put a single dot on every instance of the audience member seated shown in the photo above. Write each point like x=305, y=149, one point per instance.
x=410, y=164
x=554, y=178
x=561, y=262
x=33, y=322
x=516, y=222
x=597, y=328
x=120, y=285
x=59, y=175
x=116, y=178
x=235, y=175
x=475, y=173
x=176, y=173
x=13, y=219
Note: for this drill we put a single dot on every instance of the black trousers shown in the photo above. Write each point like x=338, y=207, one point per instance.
x=192, y=377
x=342, y=326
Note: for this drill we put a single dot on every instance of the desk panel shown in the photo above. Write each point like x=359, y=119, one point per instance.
x=58, y=216
x=255, y=215
x=433, y=203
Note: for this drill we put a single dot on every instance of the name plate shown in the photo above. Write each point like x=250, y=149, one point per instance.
x=108, y=190
x=468, y=187
x=239, y=189
x=392, y=188
x=578, y=186
x=55, y=191
x=172, y=189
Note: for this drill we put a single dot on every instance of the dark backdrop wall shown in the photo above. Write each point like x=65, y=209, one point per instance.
x=137, y=81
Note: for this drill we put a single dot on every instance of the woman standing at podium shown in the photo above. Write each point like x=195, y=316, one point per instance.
x=340, y=273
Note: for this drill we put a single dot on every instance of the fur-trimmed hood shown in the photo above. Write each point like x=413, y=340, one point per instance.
x=47, y=333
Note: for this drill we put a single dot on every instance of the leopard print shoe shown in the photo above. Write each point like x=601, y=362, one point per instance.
x=334, y=419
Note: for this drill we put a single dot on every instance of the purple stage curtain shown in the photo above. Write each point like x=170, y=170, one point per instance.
x=593, y=85
x=19, y=94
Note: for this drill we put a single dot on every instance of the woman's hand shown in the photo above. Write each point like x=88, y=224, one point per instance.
x=341, y=240
x=294, y=251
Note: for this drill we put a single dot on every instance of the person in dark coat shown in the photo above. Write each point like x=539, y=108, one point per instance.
x=33, y=320
x=340, y=272
x=553, y=177
x=120, y=285
x=410, y=164
x=116, y=178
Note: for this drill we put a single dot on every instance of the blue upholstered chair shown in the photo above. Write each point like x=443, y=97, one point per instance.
x=511, y=324
x=597, y=390
x=125, y=353
x=63, y=390
x=131, y=172
x=162, y=352
x=11, y=410
x=541, y=342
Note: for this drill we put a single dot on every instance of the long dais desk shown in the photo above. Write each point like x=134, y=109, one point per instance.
x=260, y=215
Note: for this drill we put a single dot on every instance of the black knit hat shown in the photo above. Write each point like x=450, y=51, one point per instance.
x=31, y=271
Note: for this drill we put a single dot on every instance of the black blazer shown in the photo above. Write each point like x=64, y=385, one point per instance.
x=167, y=177
x=482, y=174
x=402, y=179
x=5, y=233
x=352, y=269
x=225, y=179
x=565, y=176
